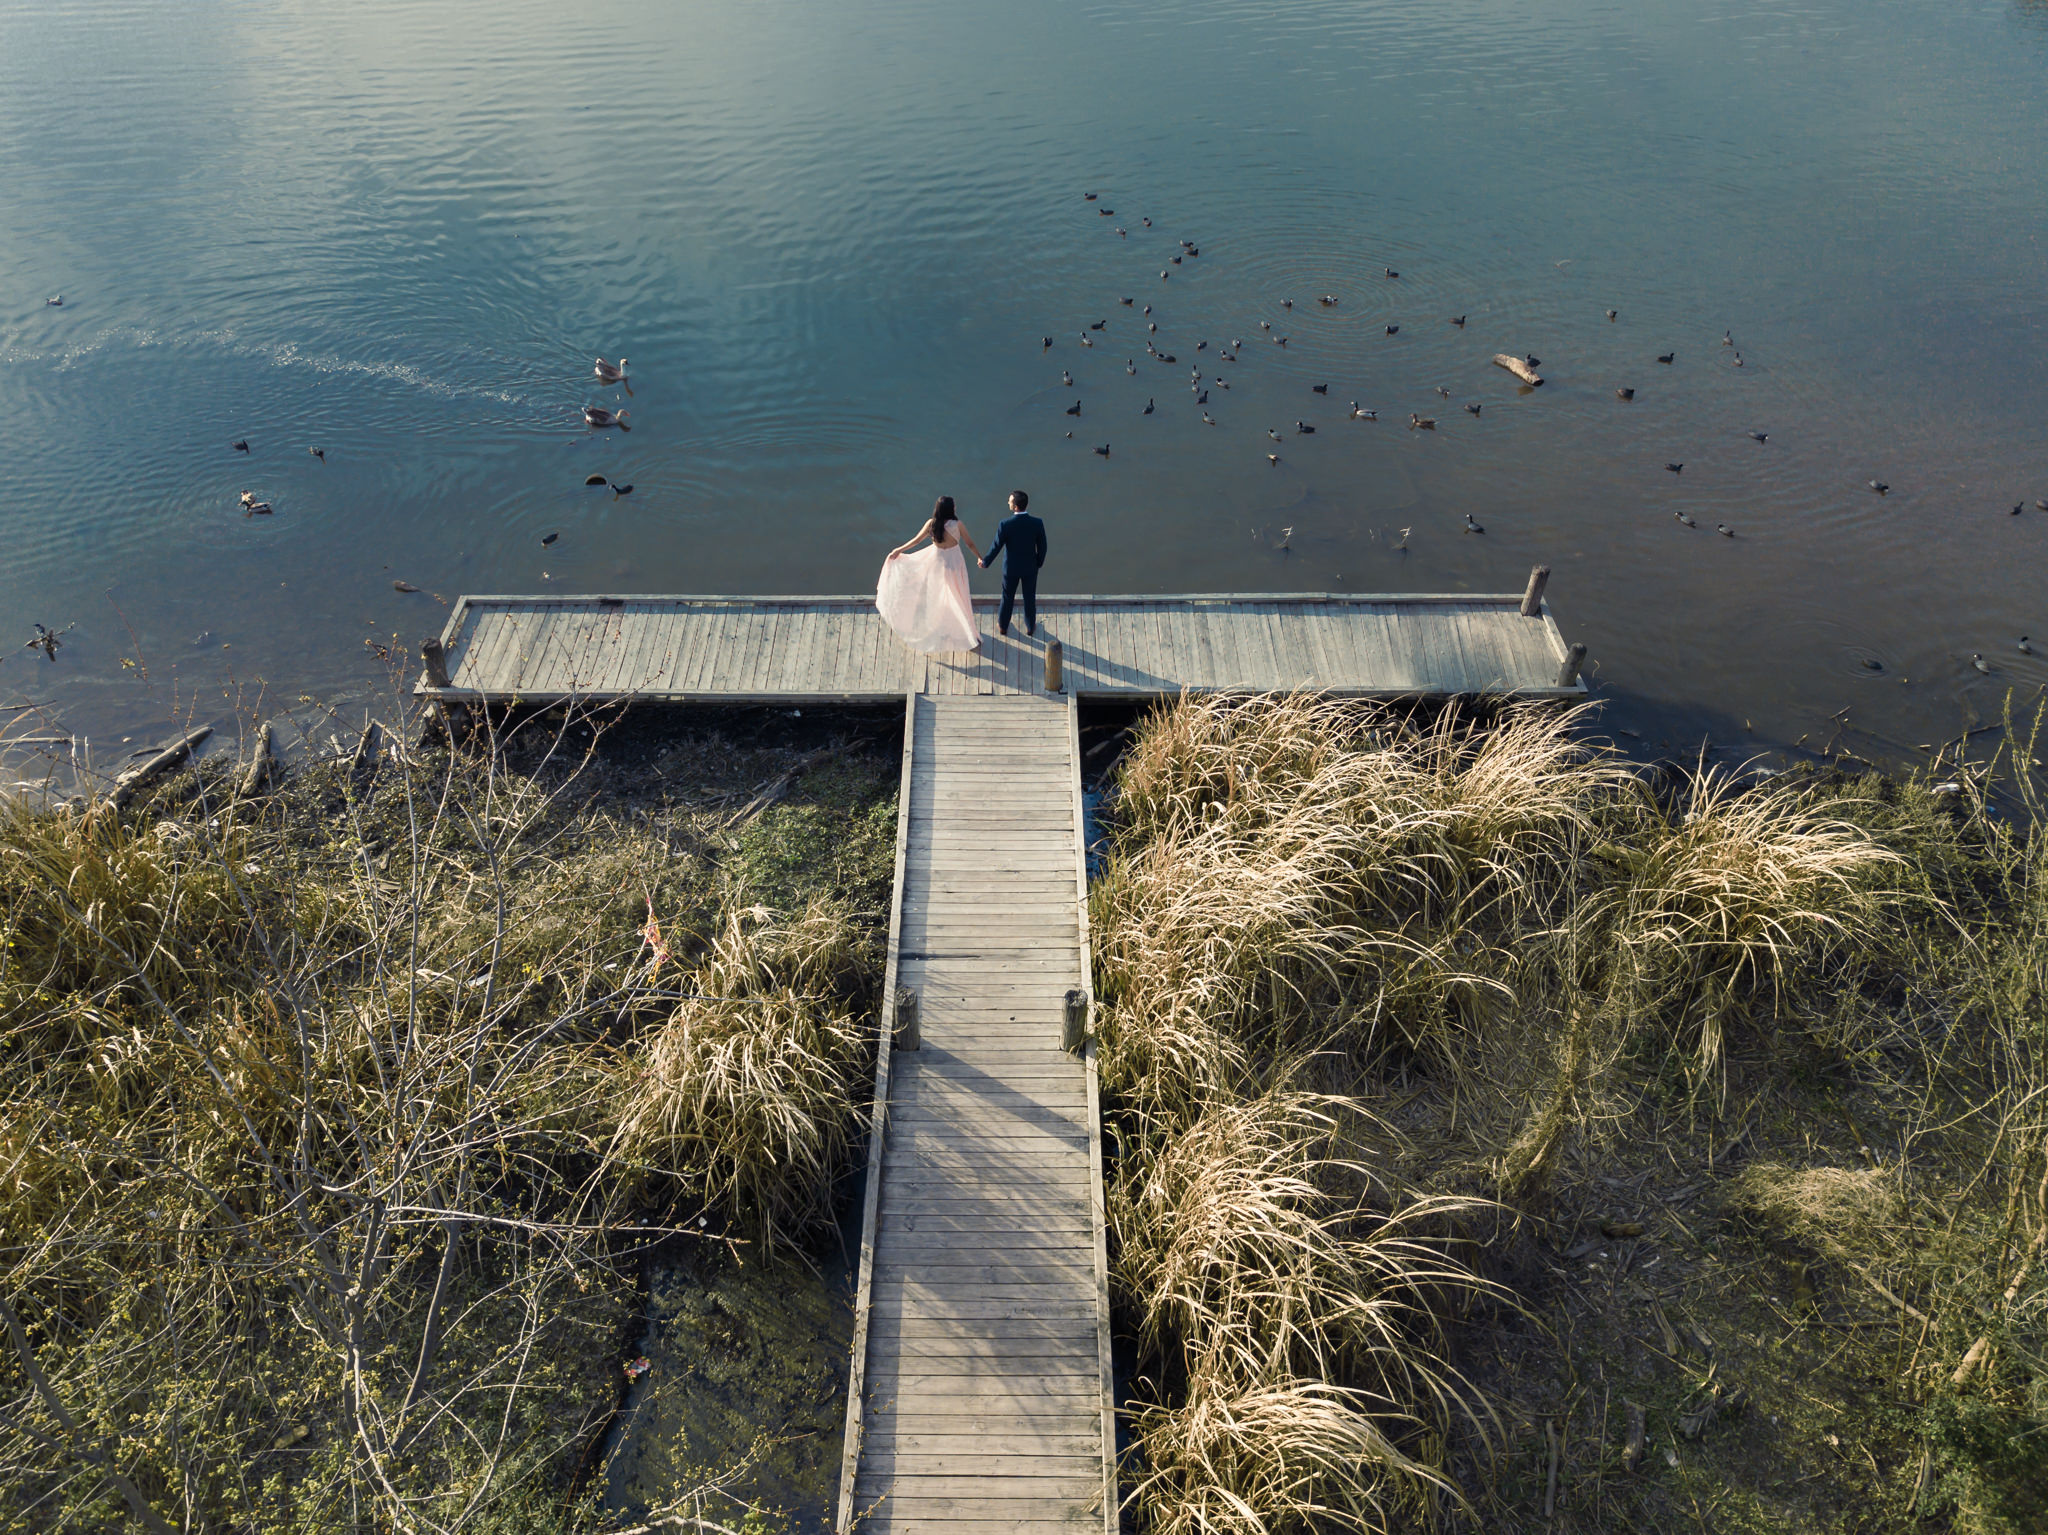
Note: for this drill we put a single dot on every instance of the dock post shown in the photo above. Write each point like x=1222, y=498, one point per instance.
x=1568, y=671
x=1532, y=599
x=1074, y=1027
x=436, y=657
x=907, y=1032
x=1055, y=660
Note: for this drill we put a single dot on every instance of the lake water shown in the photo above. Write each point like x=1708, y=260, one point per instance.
x=831, y=237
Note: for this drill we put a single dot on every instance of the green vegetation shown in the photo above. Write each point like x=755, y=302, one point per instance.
x=1509, y=1138
x=335, y=1121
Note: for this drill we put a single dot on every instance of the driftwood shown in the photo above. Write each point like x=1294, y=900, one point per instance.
x=1632, y=1452
x=368, y=745
x=136, y=779
x=1518, y=367
x=261, y=760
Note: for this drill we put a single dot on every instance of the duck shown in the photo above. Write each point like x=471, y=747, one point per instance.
x=1265, y=325
x=2017, y=508
x=619, y=490
x=1727, y=338
x=1147, y=410
x=1125, y=302
x=248, y=498
x=318, y=453
x=1879, y=486
x=1207, y=419
x=1685, y=519
x=1046, y=343
x=1738, y=359
x=1319, y=388
x=1131, y=366
x=1724, y=530
x=1612, y=313
x=1458, y=320
x=1393, y=330
x=258, y=508
x=1980, y=663
x=1103, y=451
x=1442, y=393
x=1122, y=233
x=1085, y=341
x=1624, y=394
x=1302, y=428
x=1676, y=468
x=1287, y=303
x=1666, y=357
x=1272, y=434
x=1472, y=526
x=1421, y=423
x=1273, y=459
x=547, y=539
x=1279, y=341
x=1074, y=409
x=597, y=415
x=1758, y=436
x=241, y=445
x=1327, y=300
x=1099, y=325
x=1201, y=346
x=608, y=374
x=1108, y=213
x=1202, y=398
x=1474, y=409
x=1146, y=222
x=1363, y=415
x=1151, y=327
x=1089, y=197
x=2026, y=646
x=1164, y=274
x=1391, y=273
x=1066, y=378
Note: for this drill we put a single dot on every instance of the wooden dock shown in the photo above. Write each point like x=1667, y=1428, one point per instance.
x=787, y=649
x=981, y=1390
x=981, y=1397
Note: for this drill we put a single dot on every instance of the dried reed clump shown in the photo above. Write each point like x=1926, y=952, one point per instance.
x=1240, y=1255
x=1283, y=1455
x=1749, y=888
x=1842, y=1213
x=746, y=1097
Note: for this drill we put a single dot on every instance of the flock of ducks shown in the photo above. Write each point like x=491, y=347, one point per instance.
x=250, y=504
x=1200, y=385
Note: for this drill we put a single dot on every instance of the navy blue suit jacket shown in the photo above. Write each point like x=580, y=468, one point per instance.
x=1021, y=539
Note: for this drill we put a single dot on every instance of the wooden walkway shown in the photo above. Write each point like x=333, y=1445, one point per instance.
x=780, y=649
x=981, y=1393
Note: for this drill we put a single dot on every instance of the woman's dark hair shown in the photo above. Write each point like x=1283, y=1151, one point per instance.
x=942, y=513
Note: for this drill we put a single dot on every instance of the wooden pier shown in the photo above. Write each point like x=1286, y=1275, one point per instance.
x=981, y=1397
x=784, y=649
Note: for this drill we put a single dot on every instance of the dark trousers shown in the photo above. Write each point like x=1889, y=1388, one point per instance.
x=1011, y=580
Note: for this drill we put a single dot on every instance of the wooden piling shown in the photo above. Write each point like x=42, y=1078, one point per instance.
x=1568, y=670
x=1055, y=665
x=435, y=655
x=909, y=1034
x=1074, y=1025
x=1532, y=599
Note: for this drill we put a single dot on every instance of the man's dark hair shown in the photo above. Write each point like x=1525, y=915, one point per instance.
x=1019, y=500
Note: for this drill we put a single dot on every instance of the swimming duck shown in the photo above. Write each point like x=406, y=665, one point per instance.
x=1047, y=347
x=1088, y=197
x=1272, y=434
x=1147, y=410
x=597, y=415
x=1666, y=356
x=1100, y=325
x=54, y=301
x=1319, y=388
x=1085, y=341
x=1279, y=341
x=1131, y=366
x=1458, y=320
x=1471, y=526
x=1474, y=409
x=1392, y=273
x=1125, y=302
x=1074, y=409
x=1624, y=394
x=1442, y=393
x=1066, y=378
x=1265, y=325
x=1327, y=300
x=1879, y=486
x=1421, y=423
x=1103, y=451
x=1304, y=429
x=1287, y=303
x=608, y=374
x=1363, y=415
x=1724, y=530
x=1273, y=458
x=318, y=453
x=1203, y=398
x=1612, y=313
x=1758, y=436
x=2026, y=646
x=242, y=445
x=1207, y=419
x=1685, y=519
x=1980, y=663
x=1393, y=330
x=1738, y=359
x=1727, y=338
x=548, y=539
x=1676, y=468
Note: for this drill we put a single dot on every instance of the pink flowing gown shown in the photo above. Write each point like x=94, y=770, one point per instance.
x=923, y=596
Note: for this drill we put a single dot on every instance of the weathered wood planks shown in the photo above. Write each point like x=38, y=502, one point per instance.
x=772, y=649
x=982, y=1327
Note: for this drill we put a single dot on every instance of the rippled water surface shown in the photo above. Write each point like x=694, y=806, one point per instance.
x=831, y=237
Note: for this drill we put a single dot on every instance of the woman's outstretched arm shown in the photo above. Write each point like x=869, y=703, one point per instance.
x=967, y=538
x=923, y=533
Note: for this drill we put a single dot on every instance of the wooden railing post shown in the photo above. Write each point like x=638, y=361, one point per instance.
x=1532, y=599
x=908, y=1034
x=436, y=657
x=1074, y=1028
x=1568, y=670
x=1055, y=663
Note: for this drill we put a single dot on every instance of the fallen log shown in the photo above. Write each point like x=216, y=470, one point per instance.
x=261, y=760
x=136, y=779
x=1518, y=367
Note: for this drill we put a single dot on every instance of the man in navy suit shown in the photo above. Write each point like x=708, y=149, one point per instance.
x=1021, y=538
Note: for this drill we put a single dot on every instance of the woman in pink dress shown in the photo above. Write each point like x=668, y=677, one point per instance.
x=923, y=591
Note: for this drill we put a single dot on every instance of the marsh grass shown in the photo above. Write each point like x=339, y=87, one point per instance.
x=333, y=1120
x=1522, y=940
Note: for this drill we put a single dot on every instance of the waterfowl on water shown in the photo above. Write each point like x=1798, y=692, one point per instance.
x=1612, y=313
x=1279, y=341
x=1151, y=327
x=1146, y=222
x=1125, y=302
x=1265, y=325
x=1458, y=320
x=1066, y=378
x=1103, y=451
x=1272, y=434
x=1089, y=197
x=547, y=539
x=1624, y=394
x=1724, y=530
x=1319, y=388
x=318, y=453
x=1287, y=303
x=1685, y=519
x=1471, y=526
x=1676, y=468
x=242, y=445
x=1100, y=325
x=1074, y=409
x=1046, y=343
x=2026, y=646
x=1304, y=429
x=1207, y=419
x=1879, y=486
x=1202, y=398
x=1273, y=458
x=608, y=373
x=1442, y=393
x=1666, y=356
x=1131, y=366
x=1393, y=330
x=1980, y=663
x=1758, y=436
x=1474, y=409
x=1421, y=423
x=1147, y=410
x=1122, y=233
x=1363, y=415
x=1727, y=338
x=1085, y=341
x=597, y=415
x=1391, y=272
x=1738, y=359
